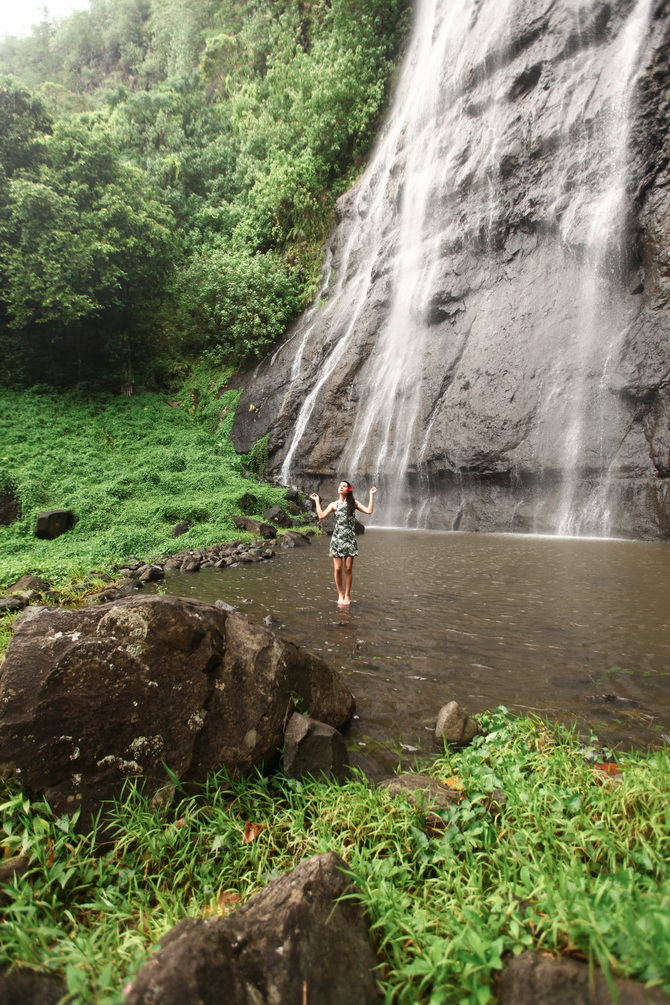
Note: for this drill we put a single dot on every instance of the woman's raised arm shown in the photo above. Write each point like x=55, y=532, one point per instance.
x=371, y=503
x=321, y=513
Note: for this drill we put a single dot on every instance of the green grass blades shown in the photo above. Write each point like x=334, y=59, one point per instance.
x=545, y=851
x=129, y=468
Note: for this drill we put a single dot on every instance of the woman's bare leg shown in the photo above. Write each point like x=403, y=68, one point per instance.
x=337, y=570
x=348, y=577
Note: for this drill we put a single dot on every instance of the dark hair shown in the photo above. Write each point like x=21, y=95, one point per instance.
x=351, y=502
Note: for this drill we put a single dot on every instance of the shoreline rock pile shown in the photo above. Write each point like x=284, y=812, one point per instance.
x=135, y=573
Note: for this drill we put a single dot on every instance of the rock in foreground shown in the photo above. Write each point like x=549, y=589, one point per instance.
x=293, y=942
x=531, y=979
x=91, y=697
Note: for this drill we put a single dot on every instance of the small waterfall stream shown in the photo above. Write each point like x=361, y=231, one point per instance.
x=427, y=271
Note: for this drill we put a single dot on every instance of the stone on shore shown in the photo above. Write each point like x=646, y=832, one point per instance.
x=454, y=726
x=30, y=987
x=294, y=539
x=313, y=749
x=254, y=526
x=278, y=516
x=28, y=582
x=295, y=941
x=8, y=605
x=426, y=793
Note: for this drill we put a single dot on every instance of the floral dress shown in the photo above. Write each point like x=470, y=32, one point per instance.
x=343, y=541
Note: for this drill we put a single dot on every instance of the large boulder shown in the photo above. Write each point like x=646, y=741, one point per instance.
x=53, y=523
x=295, y=941
x=91, y=697
x=254, y=526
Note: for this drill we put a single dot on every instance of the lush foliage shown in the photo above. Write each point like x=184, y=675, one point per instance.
x=129, y=467
x=86, y=254
x=575, y=862
x=167, y=187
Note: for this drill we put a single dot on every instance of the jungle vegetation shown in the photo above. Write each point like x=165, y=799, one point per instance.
x=168, y=172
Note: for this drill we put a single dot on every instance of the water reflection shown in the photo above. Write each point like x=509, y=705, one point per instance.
x=573, y=629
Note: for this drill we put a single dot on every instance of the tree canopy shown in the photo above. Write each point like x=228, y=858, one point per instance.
x=168, y=171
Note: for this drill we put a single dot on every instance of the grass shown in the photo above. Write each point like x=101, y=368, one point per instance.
x=575, y=862
x=130, y=468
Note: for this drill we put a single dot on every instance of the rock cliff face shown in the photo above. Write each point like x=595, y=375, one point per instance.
x=490, y=341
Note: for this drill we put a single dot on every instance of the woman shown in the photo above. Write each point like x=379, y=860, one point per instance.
x=343, y=542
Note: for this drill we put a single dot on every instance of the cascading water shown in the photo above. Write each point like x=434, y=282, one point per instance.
x=381, y=440
x=474, y=348
x=601, y=211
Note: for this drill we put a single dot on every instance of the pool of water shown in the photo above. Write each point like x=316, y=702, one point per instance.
x=573, y=629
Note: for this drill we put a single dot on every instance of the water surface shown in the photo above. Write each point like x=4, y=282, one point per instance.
x=541, y=625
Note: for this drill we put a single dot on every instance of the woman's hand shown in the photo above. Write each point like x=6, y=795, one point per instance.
x=314, y=495
x=373, y=490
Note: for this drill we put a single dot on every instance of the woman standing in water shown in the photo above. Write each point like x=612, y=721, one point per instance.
x=343, y=548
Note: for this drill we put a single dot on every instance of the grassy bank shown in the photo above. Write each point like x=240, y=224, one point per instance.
x=576, y=862
x=129, y=467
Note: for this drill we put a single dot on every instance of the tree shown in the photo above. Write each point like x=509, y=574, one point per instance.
x=86, y=257
x=24, y=125
x=233, y=303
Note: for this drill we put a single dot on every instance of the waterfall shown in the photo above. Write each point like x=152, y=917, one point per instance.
x=471, y=345
x=601, y=211
x=381, y=440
